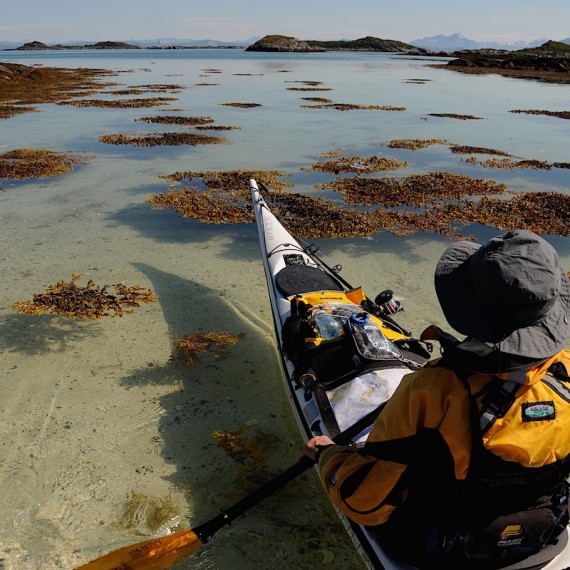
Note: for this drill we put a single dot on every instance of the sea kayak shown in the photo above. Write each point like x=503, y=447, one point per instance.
x=341, y=354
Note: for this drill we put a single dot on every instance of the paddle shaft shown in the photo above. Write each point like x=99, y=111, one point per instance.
x=206, y=530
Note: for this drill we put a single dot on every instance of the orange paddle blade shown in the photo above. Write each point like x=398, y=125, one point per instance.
x=154, y=554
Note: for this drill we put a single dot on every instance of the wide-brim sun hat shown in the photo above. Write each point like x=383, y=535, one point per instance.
x=510, y=293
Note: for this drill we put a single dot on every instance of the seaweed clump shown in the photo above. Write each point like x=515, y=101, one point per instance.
x=22, y=86
x=541, y=212
x=86, y=302
x=414, y=144
x=445, y=199
x=362, y=165
x=24, y=163
x=558, y=114
x=416, y=191
x=510, y=164
x=146, y=512
x=248, y=454
x=309, y=217
x=225, y=200
x=189, y=346
x=121, y=103
x=199, y=123
x=354, y=107
x=309, y=88
x=178, y=120
x=242, y=105
x=455, y=116
x=8, y=111
x=203, y=206
x=162, y=139
x=465, y=149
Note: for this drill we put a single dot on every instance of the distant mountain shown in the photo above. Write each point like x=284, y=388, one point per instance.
x=172, y=42
x=40, y=46
x=368, y=43
x=10, y=45
x=159, y=42
x=456, y=42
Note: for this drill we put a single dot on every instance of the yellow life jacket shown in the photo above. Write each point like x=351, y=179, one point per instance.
x=516, y=492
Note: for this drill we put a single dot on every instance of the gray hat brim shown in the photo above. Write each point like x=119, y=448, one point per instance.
x=467, y=315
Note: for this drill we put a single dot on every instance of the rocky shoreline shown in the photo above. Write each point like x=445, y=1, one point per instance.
x=278, y=43
x=40, y=46
x=549, y=62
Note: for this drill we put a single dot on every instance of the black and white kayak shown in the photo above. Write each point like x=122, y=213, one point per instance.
x=341, y=354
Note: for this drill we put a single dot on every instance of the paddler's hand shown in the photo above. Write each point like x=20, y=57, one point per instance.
x=316, y=444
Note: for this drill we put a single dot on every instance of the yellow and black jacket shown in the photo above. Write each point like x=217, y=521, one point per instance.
x=426, y=457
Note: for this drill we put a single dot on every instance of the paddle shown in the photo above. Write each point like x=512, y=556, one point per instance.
x=161, y=552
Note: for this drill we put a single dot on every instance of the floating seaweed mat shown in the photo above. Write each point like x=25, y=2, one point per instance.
x=455, y=116
x=178, y=120
x=242, y=105
x=358, y=164
x=204, y=206
x=403, y=223
x=558, y=114
x=235, y=181
x=190, y=345
x=317, y=99
x=309, y=88
x=310, y=217
x=162, y=139
x=509, y=164
x=120, y=103
x=8, y=111
x=463, y=149
x=27, y=85
x=311, y=83
x=540, y=212
x=217, y=128
x=227, y=200
x=86, y=302
x=352, y=107
x=414, y=144
x=36, y=163
x=415, y=191
x=160, y=87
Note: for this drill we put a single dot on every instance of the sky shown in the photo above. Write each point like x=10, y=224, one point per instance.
x=60, y=21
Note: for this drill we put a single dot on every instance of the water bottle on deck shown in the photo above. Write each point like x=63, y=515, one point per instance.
x=328, y=327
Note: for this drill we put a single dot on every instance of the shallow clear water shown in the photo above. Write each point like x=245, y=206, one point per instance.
x=93, y=414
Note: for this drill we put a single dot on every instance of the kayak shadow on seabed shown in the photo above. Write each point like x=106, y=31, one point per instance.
x=241, y=390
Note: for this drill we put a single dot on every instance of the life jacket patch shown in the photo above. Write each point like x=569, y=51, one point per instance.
x=512, y=535
x=538, y=411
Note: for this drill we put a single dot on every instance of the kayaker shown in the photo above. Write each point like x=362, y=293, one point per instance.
x=466, y=465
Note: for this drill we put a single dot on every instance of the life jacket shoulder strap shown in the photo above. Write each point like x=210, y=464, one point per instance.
x=497, y=402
